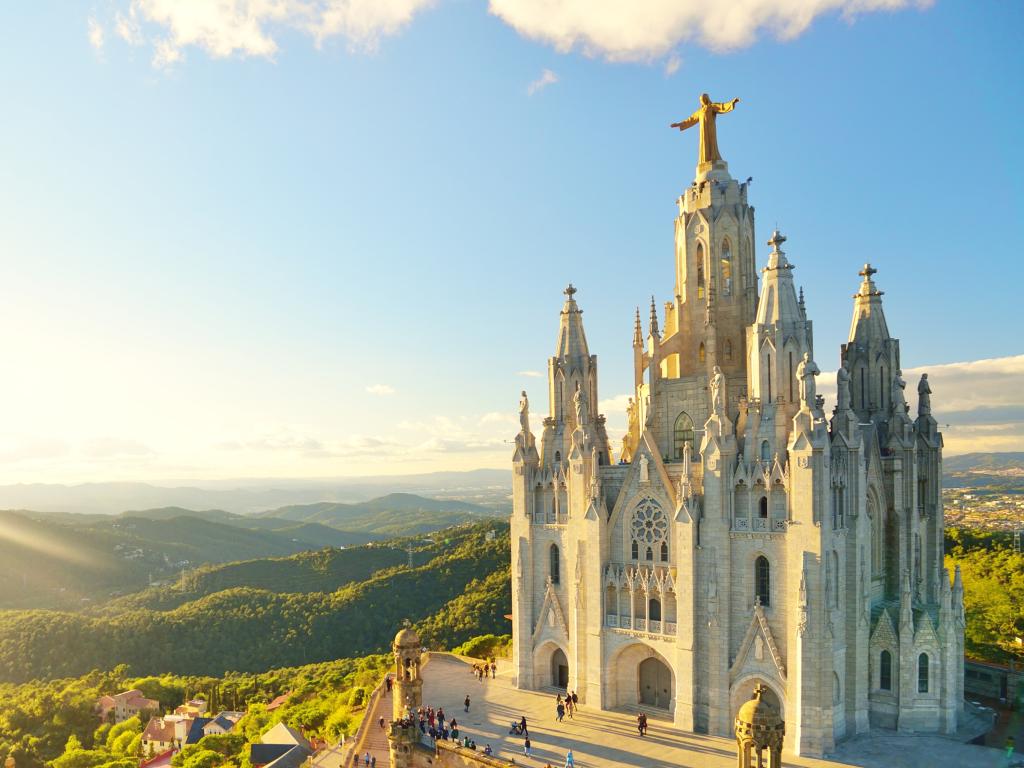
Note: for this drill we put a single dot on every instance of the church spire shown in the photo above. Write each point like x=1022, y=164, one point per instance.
x=868, y=319
x=638, y=333
x=572, y=341
x=654, y=319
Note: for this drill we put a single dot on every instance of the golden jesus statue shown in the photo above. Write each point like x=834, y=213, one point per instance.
x=705, y=116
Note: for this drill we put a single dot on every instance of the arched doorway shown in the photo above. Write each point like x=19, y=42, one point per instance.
x=559, y=669
x=655, y=684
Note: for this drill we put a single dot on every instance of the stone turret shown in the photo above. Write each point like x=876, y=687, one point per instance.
x=408, y=688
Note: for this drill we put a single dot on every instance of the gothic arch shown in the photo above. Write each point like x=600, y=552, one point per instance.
x=624, y=674
x=543, y=656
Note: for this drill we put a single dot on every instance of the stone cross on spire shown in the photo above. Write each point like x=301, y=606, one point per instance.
x=569, y=291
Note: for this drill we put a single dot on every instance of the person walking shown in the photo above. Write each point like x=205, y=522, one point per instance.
x=570, y=762
x=560, y=711
x=575, y=701
x=568, y=706
x=373, y=761
x=380, y=722
x=366, y=758
x=466, y=702
x=526, y=746
x=522, y=724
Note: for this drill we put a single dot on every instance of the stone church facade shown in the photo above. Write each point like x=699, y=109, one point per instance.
x=741, y=536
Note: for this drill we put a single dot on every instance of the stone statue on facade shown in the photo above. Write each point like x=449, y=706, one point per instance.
x=645, y=474
x=524, y=414
x=805, y=373
x=718, y=394
x=843, y=388
x=899, y=400
x=924, y=396
x=705, y=118
x=579, y=401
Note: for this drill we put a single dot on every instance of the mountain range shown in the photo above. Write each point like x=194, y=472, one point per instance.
x=66, y=560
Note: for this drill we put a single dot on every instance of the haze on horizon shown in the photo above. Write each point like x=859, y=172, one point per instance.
x=317, y=244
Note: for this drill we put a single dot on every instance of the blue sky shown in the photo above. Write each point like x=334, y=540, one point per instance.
x=303, y=249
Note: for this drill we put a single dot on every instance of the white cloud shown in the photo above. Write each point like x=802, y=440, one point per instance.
x=381, y=389
x=531, y=374
x=504, y=418
x=547, y=77
x=97, y=37
x=225, y=28
x=128, y=29
x=644, y=30
x=648, y=29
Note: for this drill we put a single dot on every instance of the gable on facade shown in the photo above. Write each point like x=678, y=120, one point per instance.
x=758, y=652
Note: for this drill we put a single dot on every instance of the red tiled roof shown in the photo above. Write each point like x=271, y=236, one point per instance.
x=278, y=701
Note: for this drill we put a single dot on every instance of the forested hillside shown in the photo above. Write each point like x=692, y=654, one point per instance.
x=322, y=571
x=993, y=577
x=396, y=514
x=67, y=561
x=249, y=629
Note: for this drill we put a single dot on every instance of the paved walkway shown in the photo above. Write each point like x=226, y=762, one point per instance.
x=606, y=739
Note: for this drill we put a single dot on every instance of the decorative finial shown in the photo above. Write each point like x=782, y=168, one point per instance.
x=867, y=272
x=569, y=291
x=654, y=318
x=777, y=239
x=638, y=334
x=759, y=690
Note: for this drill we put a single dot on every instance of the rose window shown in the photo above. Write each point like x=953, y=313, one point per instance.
x=649, y=523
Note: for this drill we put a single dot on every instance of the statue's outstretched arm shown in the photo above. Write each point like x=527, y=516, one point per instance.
x=725, y=106
x=689, y=122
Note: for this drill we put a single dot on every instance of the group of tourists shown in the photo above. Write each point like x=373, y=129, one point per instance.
x=567, y=706
x=481, y=671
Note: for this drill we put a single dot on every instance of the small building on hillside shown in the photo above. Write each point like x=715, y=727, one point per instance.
x=280, y=747
x=220, y=724
x=279, y=701
x=125, y=705
x=159, y=736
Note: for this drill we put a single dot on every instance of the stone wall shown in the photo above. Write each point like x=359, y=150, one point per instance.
x=449, y=755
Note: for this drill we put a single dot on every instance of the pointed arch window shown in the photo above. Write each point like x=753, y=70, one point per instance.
x=654, y=609
x=885, y=671
x=922, y=673
x=700, y=271
x=635, y=552
x=835, y=578
x=726, y=268
x=728, y=351
x=762, y=580
x=700, y=352
x=682, y=435
x=766, y=451
x=556, y=574
x=664, y=552
x=762, y=507
x=650, y=555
